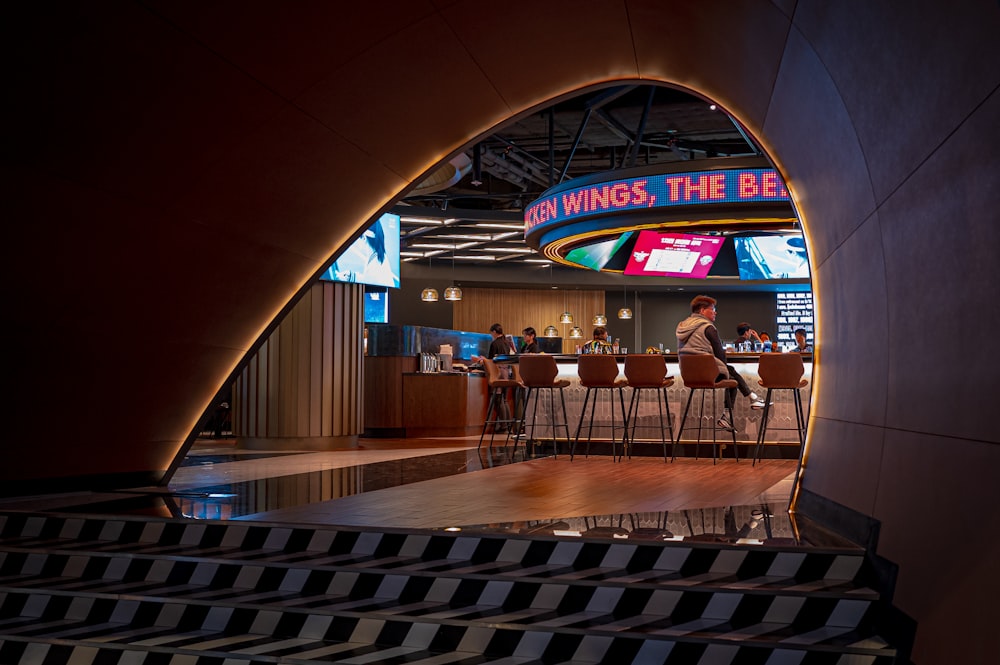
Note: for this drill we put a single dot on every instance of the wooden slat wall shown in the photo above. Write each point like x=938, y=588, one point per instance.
x=306, y=381
x=516, y=309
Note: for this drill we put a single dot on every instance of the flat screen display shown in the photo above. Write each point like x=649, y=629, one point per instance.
x=659, y=254
x=596, y=255
x=376, y=305
x=775, y=256
x=371, y=259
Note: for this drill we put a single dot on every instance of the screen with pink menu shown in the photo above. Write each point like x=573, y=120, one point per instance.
x=673, y=255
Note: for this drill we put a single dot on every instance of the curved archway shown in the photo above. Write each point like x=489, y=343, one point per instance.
x=215, y=132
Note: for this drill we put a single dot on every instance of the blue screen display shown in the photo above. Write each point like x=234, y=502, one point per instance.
x=778, y=256
x=371, y=259
x=376, y=305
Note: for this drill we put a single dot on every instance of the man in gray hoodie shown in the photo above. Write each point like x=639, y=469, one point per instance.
x=698, y=334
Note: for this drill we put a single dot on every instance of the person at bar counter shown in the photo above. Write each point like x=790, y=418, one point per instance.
x=746, y=334
x=698, y=334
x=500, y=346
x=530, y=343
x=600, y=343
x=800, y=342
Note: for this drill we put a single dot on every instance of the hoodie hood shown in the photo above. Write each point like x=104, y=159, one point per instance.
x=689, y=326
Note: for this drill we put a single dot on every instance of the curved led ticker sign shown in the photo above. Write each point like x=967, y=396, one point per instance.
x=584, y=210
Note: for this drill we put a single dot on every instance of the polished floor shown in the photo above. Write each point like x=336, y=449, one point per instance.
x=448, y=483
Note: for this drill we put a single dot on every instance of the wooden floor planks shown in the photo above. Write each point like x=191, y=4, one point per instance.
x=550, y=488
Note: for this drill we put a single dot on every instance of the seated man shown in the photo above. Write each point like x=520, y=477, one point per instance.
x=800, y=342
x=698, y=334
x=600, y=343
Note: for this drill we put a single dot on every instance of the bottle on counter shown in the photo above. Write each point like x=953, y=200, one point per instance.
x=616, y=346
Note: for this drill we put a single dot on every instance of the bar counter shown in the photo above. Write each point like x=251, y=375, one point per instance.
x=746, y=420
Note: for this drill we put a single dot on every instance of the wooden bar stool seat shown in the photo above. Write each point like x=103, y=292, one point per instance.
x=781, y=371
x=645, y=372
x=599, y=372
x=498, y=413
x=699, y=371
x=538, y=374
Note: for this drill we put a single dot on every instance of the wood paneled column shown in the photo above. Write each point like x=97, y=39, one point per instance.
x=303, y=389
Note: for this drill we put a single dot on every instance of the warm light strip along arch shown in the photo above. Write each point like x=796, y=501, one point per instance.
x=557, y=250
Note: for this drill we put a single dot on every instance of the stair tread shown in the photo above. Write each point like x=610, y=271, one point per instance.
x=538, y=619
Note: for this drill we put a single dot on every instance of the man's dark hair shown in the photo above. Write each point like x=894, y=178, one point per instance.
x=528, y=331
x=700, y=302
x=800, y=331
x=496, y=328
x=742, y=328
x=599, y=330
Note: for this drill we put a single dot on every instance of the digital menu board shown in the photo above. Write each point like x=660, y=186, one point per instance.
x=658, y=254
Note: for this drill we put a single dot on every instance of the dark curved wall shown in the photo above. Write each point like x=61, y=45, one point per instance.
x=175, y=173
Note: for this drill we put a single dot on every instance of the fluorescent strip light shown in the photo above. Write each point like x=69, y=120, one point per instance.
x=537, y=261
x=508, y=250
x=421, y=220
x=429, y=220
x=462, y=237
x=494, y=225
x=486, y=257
x=431, y=245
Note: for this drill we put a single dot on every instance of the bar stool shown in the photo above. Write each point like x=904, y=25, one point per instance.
x=698, y=371
x=645, y=372
x=494, y=411
x=781, y=371
x=599, y=372
x=538, y=373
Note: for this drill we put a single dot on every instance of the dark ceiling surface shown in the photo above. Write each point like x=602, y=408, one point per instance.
x=470, y=211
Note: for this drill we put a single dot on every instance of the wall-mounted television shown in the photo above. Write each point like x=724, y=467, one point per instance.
x=597, y=255
x=371, y=259
x=376, y=304
x=772, y=256
x=660, y=254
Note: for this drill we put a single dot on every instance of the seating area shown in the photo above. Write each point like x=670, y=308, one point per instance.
x=620, y=404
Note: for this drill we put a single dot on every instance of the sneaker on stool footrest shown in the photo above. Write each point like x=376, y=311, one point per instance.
x=725, y=424
x=757, y=404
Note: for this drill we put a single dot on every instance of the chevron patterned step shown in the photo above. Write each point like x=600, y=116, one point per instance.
x=649, y=600
x=131, y=622
x=722, y=570
x=538, y=556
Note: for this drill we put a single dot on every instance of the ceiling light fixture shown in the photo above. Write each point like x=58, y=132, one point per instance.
x=624, y=313
x=550, y=331
x=453, y=292
x=600, y=320
x=429, y=294
x=576, y=333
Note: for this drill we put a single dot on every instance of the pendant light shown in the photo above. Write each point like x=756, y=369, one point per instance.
x=429, y=294
x=551, y=330
x=576, y=332
x=624, y=313
x=453, y=292
x=566, y=316
x=600, y=320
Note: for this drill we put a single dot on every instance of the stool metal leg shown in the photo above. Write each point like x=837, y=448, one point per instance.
x=579, y=425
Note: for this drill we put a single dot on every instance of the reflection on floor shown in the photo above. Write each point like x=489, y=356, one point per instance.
x=448, y=483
